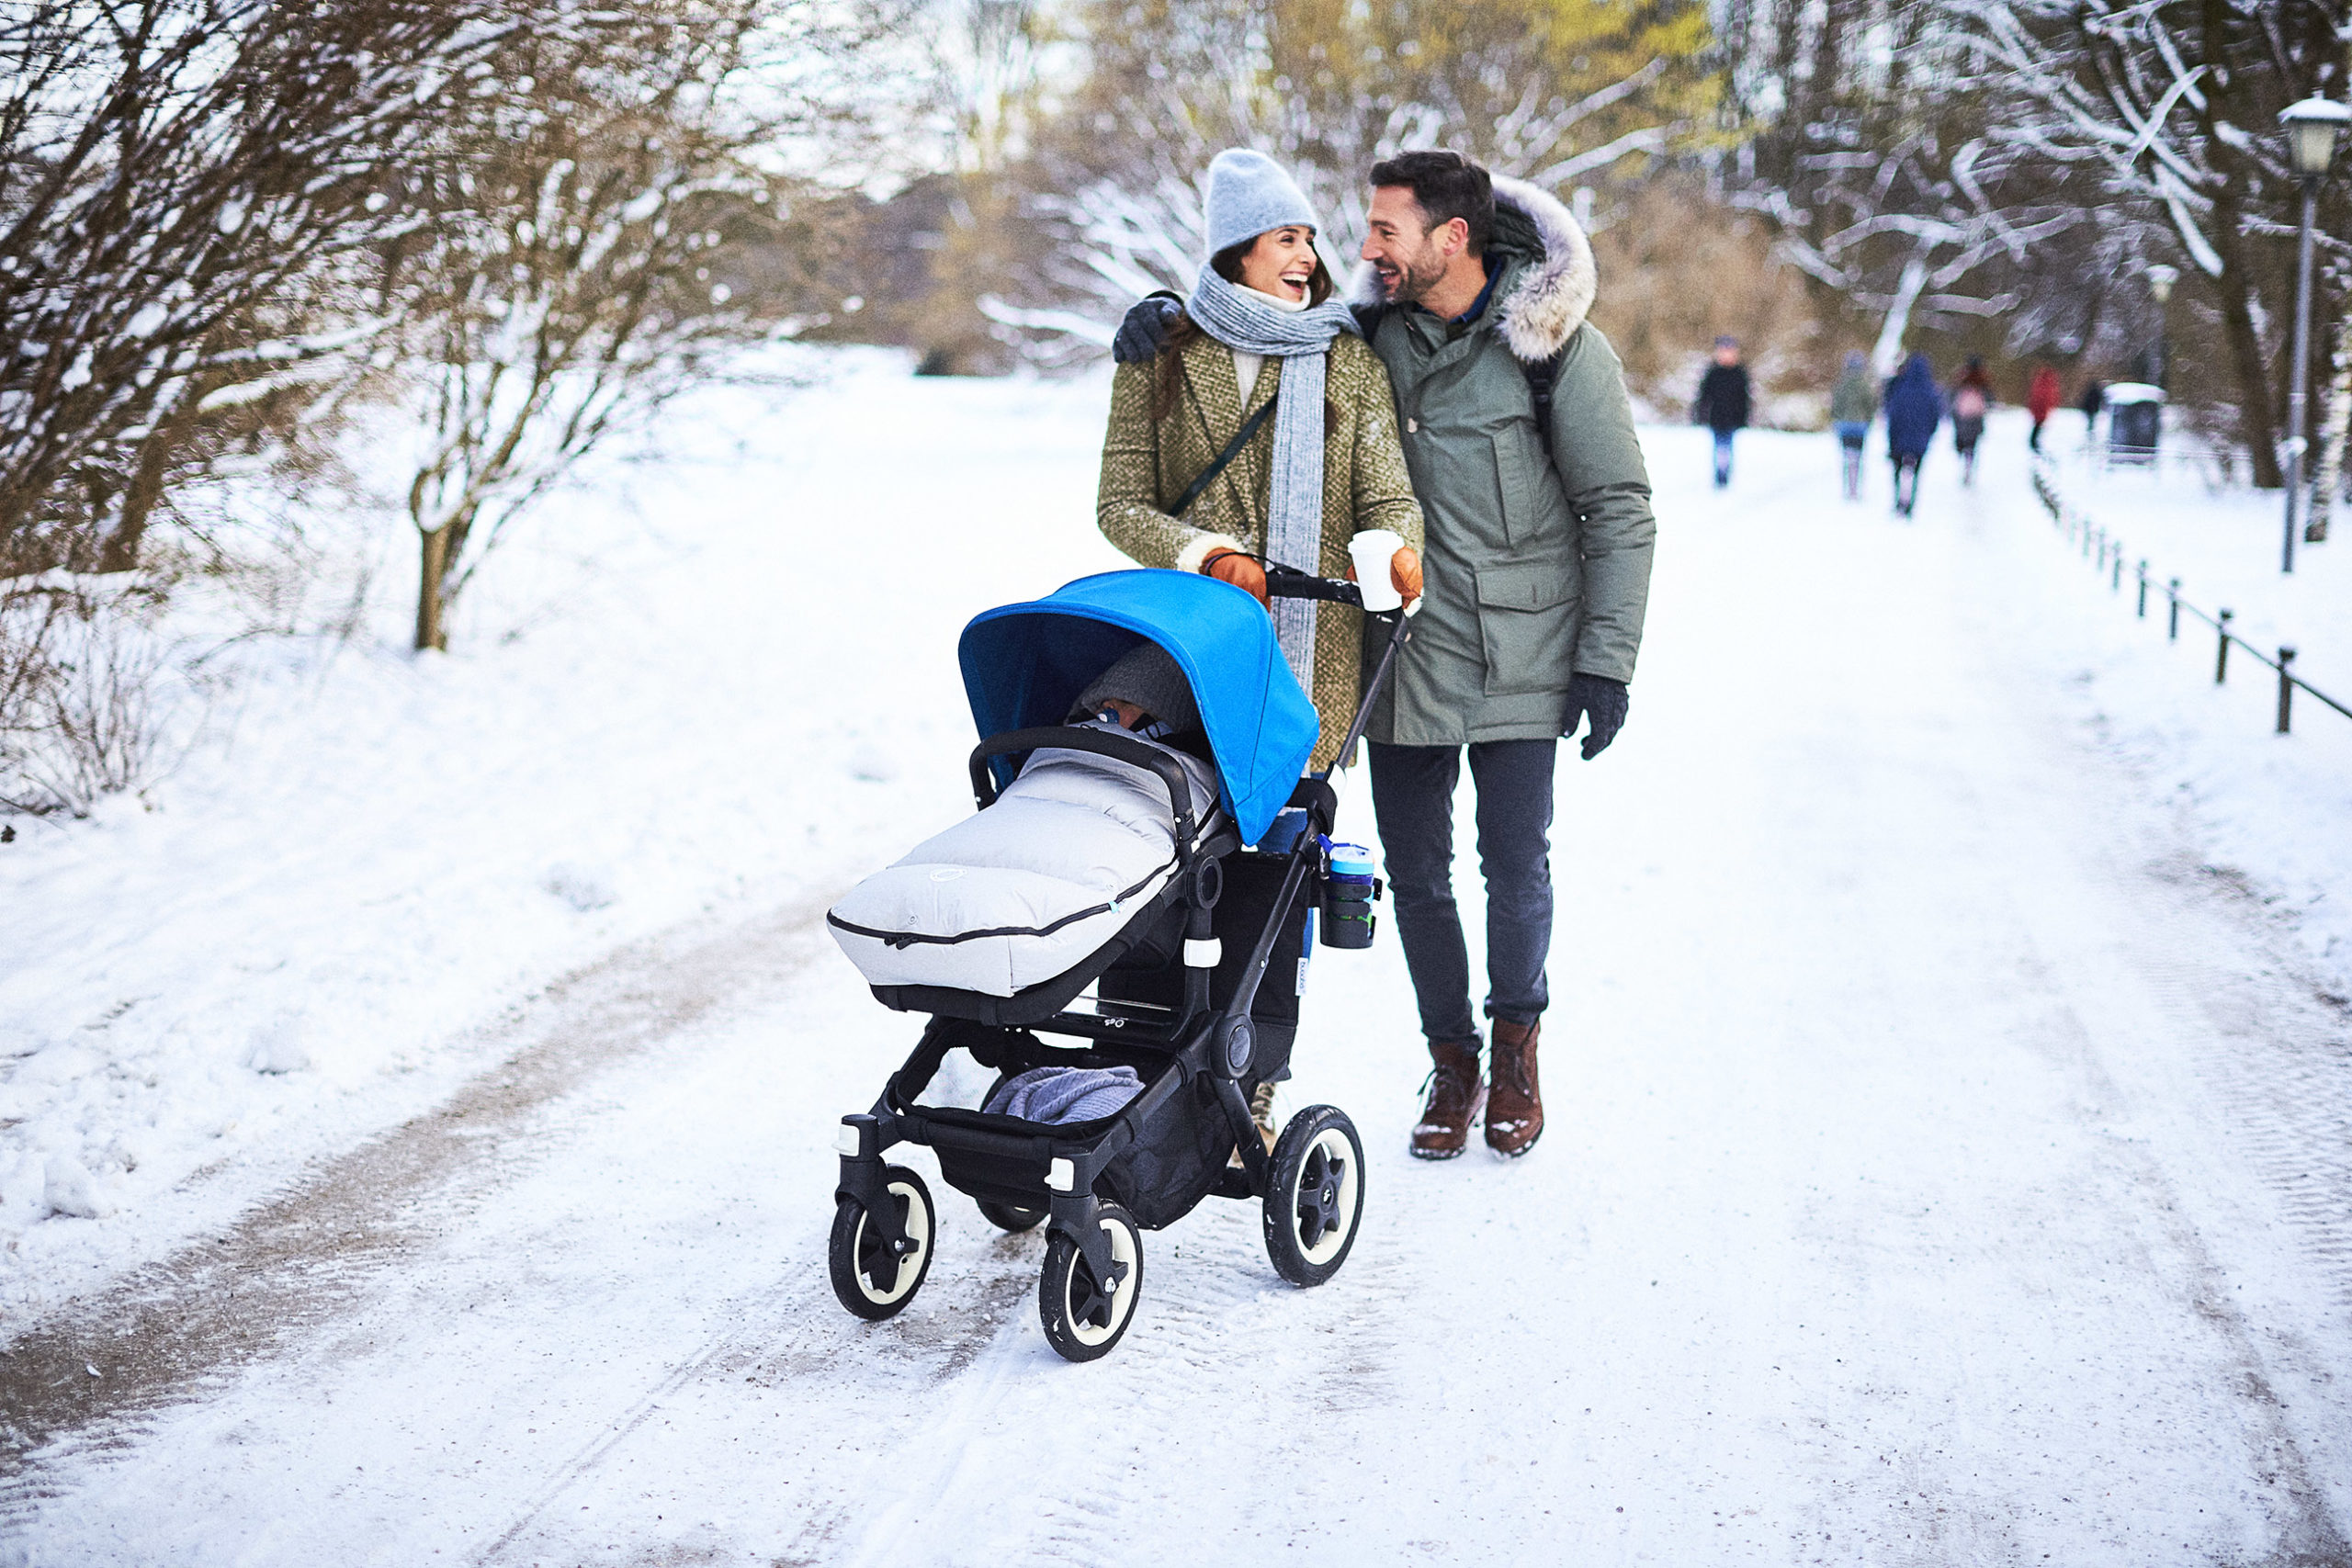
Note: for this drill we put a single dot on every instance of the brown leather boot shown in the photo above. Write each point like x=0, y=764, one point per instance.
x=1515, y=1114
x=1457, y=1093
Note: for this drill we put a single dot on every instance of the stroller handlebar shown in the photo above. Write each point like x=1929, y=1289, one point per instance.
x=1286, y=582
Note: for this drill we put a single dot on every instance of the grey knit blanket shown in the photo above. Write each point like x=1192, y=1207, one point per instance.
x=1233, y=316
x=1065, y=1094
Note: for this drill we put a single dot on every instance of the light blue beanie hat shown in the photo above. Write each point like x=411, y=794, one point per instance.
x=1249, y=194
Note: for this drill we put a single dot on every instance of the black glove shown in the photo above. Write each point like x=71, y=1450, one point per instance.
x=1146, y=327
x=1604, y=701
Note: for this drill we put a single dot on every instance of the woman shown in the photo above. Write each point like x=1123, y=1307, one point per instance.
x=1972, y=396
x=2041, y=402
x=1913, y=409
x=1852, y=405
x=1261, y=328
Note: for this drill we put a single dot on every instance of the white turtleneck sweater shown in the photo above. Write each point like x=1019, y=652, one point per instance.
x=1245, y=365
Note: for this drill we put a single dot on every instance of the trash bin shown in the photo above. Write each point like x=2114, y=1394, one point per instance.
x=2135, y=413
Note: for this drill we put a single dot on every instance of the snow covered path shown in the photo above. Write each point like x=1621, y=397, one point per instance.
x=1944, y=1167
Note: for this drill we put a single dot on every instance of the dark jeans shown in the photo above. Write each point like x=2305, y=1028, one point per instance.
x=1412, y=799
x=1722, y=456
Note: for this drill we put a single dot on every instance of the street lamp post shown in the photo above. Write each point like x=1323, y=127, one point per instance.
x=2161, y=277
x=2312, y=125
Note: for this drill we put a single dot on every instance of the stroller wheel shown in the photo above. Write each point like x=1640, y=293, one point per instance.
x=870, y=1282
x=1316, y=1196
x=1009, y=1216
x=1083, y=1317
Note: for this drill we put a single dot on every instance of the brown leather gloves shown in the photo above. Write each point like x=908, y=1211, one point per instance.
x=1232, y=566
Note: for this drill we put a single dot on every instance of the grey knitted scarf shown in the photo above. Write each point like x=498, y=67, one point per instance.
x=1236, y=317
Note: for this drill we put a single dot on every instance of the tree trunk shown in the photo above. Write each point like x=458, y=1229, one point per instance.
x=2333, y=431
x=2258, y=408
x=431, y=579
x=2258, y=414
x=119, y=551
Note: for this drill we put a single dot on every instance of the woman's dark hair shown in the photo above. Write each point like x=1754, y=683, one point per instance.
x=1226, y=264
x=1447, y=185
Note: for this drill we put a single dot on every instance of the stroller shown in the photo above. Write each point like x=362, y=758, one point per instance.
x=1195, y=953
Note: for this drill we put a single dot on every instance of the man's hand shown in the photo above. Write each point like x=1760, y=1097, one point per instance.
x=1404, y=573
x=1146, y=327
x=1232, y=566
x=1604, y=702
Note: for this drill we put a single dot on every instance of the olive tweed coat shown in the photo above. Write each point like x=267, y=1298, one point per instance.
x=1148, y=463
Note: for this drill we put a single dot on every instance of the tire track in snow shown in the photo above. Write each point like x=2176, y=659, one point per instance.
x=792, y=1333
x=1122, y=1446
x=2286, y=1080
x=2194, y=976
x=80, y=1380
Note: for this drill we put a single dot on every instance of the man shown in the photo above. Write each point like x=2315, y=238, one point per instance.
x=1723, y=403
x=1538, y=541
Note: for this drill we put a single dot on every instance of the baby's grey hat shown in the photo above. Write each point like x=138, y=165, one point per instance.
x=1146, y=676
x=1249, y=194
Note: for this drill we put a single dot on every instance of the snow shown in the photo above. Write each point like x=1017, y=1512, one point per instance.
x=2271, y=807
x=1946, y=1161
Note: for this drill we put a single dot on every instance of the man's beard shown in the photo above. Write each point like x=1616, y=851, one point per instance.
x=1415, y=279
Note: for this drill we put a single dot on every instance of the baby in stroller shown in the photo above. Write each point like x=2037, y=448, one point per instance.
x=1108, y=910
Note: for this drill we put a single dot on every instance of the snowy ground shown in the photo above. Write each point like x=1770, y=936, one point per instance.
x=2272, y=809
x=1948, y=1160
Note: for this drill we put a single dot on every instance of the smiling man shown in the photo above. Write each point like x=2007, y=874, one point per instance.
x=1520, y=439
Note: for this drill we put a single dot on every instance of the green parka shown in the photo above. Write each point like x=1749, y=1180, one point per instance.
x=1538, y=548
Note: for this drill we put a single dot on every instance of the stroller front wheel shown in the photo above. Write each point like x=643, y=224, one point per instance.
x=1316, y=1196
x=1084, y=1316
x=869, y=1281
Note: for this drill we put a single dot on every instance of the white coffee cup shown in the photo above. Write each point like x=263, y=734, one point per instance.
x=1371, y=551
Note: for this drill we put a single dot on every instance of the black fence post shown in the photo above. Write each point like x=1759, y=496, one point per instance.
x=2143, y=591
x=2115, y=581
x=2221, y=657
x=2172, y=632
x=2286, y=689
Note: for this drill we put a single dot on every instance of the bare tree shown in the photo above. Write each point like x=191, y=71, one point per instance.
x=567, y=278
x=177, y=177
x=1561, y=96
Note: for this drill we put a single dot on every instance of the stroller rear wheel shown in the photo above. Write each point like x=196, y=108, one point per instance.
x=1316, y=1196
x=869, y=1279
x=1084, y=1316
x=1009, y=1217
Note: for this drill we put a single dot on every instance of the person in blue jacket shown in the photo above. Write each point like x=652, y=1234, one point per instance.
x=1913, y=409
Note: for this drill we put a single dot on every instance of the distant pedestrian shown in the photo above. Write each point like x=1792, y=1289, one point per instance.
x=1913, y=409
x=1853, y=403
x=2093, y=402
x=2041, y=402
x=1972, y=396
x=1723, y=403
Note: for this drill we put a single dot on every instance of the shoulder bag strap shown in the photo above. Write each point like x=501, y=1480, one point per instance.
x=1203, y=479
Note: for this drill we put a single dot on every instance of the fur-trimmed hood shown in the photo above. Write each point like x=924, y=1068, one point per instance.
x=1554, y=291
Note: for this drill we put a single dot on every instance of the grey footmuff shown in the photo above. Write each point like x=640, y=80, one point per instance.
x=1027, y=889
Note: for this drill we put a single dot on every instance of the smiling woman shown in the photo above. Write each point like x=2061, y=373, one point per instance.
x=1199, y=474
x=1280, y=264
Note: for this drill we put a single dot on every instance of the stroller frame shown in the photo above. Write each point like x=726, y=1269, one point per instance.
x=1017, y=1176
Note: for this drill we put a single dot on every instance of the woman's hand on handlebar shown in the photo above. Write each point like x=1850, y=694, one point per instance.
x=1232, y=566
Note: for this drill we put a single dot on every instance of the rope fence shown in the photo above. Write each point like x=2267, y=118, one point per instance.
x=2106, y=551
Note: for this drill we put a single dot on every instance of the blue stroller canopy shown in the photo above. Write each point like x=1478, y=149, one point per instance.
x=1025, y=664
